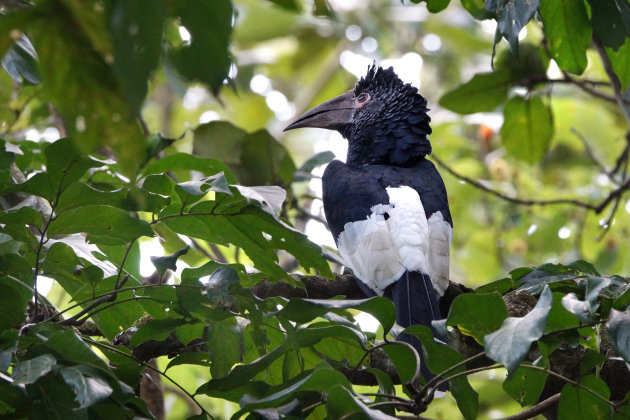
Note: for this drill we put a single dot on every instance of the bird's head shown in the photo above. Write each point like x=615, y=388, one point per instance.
x=384, y=119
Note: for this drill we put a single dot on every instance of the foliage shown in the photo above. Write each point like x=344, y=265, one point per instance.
x=231, y=202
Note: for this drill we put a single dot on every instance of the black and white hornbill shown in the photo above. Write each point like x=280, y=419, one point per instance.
x=387, y=206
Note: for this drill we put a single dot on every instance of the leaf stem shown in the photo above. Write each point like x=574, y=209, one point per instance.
x=536, y=409
x=146, y=365
x=124, y=289
x=450, y=369
x=568, y=380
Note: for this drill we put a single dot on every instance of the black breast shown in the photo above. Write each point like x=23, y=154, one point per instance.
x=350, y=192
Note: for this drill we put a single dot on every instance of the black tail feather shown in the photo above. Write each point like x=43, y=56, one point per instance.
x=416, y=303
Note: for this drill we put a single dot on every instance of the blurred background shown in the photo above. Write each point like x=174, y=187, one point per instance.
x=287, y=61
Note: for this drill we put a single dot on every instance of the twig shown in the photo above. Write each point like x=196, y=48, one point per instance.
x=118, y=283
x=427, y=399
x=216, y=255
x=608, y=222
x=614, y=80
x=515, y=200
x=146, y=365
x=535, y=410
x=591, y=153
x=591, y=91
x=437, y=377
x=109, y=297
x=124, y=289
x=392, y=397
x=89, y=315
x=192, y=407
x=568, y=380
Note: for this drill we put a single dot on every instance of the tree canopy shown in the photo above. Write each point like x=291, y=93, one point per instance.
x=162, y=242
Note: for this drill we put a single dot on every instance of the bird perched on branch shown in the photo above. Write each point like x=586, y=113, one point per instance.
x=387, y=206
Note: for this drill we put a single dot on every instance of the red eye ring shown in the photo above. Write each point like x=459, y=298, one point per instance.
x=362, y=99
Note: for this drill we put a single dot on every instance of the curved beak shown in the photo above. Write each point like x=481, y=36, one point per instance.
x=331, y=114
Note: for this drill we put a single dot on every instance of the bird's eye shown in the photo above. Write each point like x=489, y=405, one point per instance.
x=362, y=99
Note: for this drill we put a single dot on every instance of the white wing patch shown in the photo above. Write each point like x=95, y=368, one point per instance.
x=379, y=251
x=440, y=237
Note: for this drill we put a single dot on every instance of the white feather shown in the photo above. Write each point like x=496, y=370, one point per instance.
x=379, y=251
x=367, y=248
x=408, y=228
x=440, y=237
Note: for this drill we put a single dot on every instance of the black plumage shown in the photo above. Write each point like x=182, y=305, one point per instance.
x=366, y=199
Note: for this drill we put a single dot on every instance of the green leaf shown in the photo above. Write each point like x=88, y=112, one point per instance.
x=23, y=215
x=136, y=30
x=88, y=389
x=247, y=229
x=52, y=398
x=31, y=370
x=190, y=192
x=509, y=345
x=531, y=62
x=560, y=318
x=484, y=92
x=525, y=385
x=305, y=310
x=577, y=307
x=434, y=6
x=256, y=158
x=619, y=331
x=225, y=340
x=206, y=58
x=168, y=262
x=620, y=61
x=590, y=360
x=65, y=163
x=579, y=404
x=512, y=16
x=72, y=63
x=265, y=161
x=321, y=379
x=38, y=184
x=303, y=337
x=14, y=296
x=465, y=314
x=191, y=358
x=67, y=346
x=103, y=225
x=303, y=173
x=476, y=8
x=155, y=329
x=340, y=403
x=20, y=62
x=527, y=129
x=439, y=358
x=210, y=299
x=220, y=140
x=403, y=358
x=568, y=32
x=611, y=21
x=269, y=198
x=179, y=161
x=293, y=5
x=533, y=281
x=500, y=286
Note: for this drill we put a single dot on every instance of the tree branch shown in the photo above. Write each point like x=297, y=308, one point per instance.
x=515, y=200
x=537, y=409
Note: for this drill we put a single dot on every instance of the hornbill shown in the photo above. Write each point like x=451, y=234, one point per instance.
x=387, y=206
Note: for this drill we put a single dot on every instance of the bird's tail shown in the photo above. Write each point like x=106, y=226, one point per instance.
x=416, y=303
